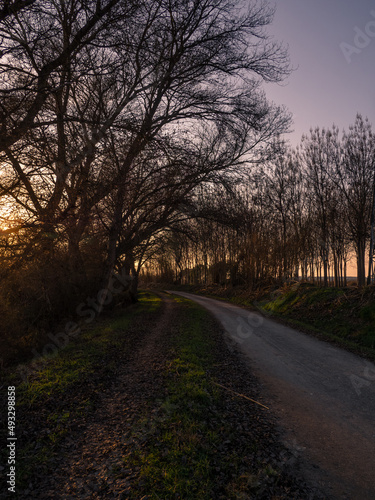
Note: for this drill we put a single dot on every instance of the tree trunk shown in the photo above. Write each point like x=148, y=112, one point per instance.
x=77, y=265
x=361, y=272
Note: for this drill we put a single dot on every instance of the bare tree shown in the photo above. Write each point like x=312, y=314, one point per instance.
x=38, y=39
x=355, y=173
x=203, y=52
x=318, y=155
x=9, y=8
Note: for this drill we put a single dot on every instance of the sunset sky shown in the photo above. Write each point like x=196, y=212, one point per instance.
x=326, y=88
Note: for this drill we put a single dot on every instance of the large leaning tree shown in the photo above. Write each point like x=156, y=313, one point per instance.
x=114, y=112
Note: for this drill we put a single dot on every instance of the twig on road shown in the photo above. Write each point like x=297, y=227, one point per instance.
x=241, y=395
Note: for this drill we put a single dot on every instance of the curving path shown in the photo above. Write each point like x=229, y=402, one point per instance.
x=323, y=395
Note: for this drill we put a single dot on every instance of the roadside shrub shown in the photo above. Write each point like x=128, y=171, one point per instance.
x=35, y=297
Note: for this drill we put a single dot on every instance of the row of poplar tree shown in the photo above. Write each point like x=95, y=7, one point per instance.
x=302, y=215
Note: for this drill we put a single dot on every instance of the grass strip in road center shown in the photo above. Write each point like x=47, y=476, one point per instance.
x=177, y=459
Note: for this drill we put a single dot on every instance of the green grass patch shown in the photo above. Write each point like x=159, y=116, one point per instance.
x=63, y=388
x=181, y=442
x=345, y=316
x=282, y=303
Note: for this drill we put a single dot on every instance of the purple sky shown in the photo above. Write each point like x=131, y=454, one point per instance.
x=326, y=88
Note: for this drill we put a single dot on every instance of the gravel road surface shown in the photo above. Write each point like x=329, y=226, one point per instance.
x=324, y=397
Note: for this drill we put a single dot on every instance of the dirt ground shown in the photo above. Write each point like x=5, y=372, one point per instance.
x=89, y=463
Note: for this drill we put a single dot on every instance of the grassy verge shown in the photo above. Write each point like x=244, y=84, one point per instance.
x=200, y=442
x=61, y=391
x=345, y=316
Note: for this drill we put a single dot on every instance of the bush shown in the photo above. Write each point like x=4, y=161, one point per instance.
x=35, y=297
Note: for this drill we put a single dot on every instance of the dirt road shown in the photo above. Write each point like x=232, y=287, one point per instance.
x=323, y=395
x=107, y=451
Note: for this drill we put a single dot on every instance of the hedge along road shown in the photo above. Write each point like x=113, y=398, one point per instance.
x=323, y=396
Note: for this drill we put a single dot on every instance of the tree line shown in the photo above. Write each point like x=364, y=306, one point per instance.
x=118, y=118
x=303, y=214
